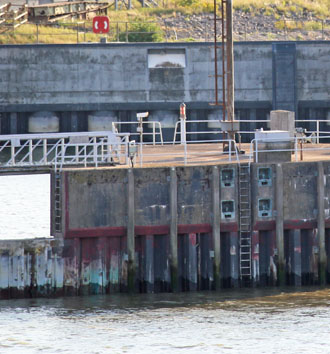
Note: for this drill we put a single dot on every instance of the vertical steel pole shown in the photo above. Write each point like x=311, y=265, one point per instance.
x=230, y=61
x=215, y=53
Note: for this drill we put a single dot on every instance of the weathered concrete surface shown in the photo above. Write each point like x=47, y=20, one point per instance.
x=174, y=243
x=31, y=268
x=76, y=81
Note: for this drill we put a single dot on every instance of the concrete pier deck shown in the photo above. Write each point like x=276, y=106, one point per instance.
x=212, y=153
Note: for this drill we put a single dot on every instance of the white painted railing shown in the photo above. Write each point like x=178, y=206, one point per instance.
x=299, y=147
x=59, y=149
x=116, y=127
x=191, y=152
x=315, y=132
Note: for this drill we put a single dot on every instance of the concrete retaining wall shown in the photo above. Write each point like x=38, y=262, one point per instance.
x=165, y=229
x=75, y=81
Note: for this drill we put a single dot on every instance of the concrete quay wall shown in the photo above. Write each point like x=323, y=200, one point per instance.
x=86, y=86
x=170, y=229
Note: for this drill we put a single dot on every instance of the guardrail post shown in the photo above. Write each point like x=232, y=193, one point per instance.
x=185, y=153
x=141, y=153
x=44, y=144
x=317, y=132
x=30, y=151
x=154, y=133
x=256, y=150
x=126, y=30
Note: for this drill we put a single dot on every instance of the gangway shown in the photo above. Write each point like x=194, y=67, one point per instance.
x=63, y=149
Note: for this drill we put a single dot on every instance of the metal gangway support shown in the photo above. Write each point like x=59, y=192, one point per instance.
x=63, y=149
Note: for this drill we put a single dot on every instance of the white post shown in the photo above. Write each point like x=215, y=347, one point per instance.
x=141, y=154
x=183, y=123
x=45, y=150
x=30, y=152
x=153, y=133
x=185, y=153
x=296, y=148
x=183, y=130
x=317, y=132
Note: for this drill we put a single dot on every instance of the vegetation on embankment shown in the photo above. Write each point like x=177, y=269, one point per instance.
x=191, y=20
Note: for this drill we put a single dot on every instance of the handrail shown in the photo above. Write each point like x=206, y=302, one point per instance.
x=27, y=150
x=317, y=131
x=154, y=133
x=296, y=140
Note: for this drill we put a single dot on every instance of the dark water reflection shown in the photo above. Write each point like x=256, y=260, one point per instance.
x=244, y=321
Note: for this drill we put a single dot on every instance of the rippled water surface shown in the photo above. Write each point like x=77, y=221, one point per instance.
x=24, y=206
x=250, y=321
x=242, y=321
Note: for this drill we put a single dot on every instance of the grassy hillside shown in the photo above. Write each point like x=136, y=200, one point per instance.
x=191, y=20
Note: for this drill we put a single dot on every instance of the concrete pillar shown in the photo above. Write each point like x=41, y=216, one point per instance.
x=74, y=121
x=279, y=225
x=149, y=263
x=216, y=227
x=174, y=230
x=255, y=258
x=234, y=259
x=321, y=223
x=296, y=257
x=13, y=123
x=130, y=231
x=192, y=259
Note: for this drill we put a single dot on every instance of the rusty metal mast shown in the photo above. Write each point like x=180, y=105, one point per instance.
x=227, y=74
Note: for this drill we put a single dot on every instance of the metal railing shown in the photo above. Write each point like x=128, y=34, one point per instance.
x=298, y=147
x=59, y=149
x=165, y=31
x=187, y=153
x=315, y=133
x=116, y=127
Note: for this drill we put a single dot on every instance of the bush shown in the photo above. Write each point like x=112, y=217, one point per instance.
x=142, y=32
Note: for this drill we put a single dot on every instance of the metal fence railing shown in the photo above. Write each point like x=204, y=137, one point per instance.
x=59, y=149
x=311, y=127
x=162, y=31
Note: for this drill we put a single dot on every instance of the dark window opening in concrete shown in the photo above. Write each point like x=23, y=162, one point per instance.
x=166, y=58
x=264, y=207
x=24, y=206
x=227, y=177
x=264, y=176
x=227, y=209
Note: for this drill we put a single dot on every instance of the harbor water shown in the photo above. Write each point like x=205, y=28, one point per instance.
x=288, y=320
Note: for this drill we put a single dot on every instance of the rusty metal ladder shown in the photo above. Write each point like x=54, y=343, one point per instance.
x=58, y=201
x=245, y=223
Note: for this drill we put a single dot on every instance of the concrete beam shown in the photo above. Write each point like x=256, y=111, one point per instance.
x=279, y=225
x=174, y=229
x=321, y=223
x=216, y=227
x=130, y=230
